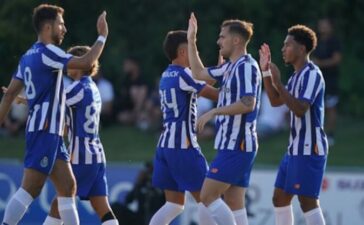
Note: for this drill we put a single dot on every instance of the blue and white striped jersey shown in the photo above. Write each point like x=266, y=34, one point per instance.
x=83, y=116
x=242, y=78
x=41, y=69
x=178, y=95
x=307, y=135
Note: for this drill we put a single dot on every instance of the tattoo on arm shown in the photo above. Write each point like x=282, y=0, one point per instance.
x=248, y=101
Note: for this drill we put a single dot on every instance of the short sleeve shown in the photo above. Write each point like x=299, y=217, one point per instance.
x=18, y=74
x=74, y=94
x=249, y=77
x=55, y=57
x=310, y=85
x=187, y=83
x=217, y=72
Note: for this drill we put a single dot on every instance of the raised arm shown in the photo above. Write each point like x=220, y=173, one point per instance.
x=277, y=92
x=86, y=61
x=198, y=69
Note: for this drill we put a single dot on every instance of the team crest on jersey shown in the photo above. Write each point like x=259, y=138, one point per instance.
x=44, y=162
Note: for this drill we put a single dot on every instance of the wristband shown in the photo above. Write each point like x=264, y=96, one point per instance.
x=101, y=39
x=266, y=73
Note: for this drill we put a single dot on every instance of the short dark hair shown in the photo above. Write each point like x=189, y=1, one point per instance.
x=304, y=35
x=45, y=13
x=240, y=27
x=172, y=41
x=80, y=51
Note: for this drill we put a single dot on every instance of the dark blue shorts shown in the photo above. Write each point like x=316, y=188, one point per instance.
x=232, y=167
x=179, y=169
x=42, y=149
x=301, y=175
x=91, y=180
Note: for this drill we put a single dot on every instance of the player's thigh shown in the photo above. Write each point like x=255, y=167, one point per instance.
x=176, y=197
x=281, y=198
x=234, y=197
x=212, y=190
x=63, y=178
x=33, y=181
x=101, y=205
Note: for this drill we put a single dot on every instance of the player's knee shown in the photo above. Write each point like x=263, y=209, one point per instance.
x=307, y=204
x=68, y=187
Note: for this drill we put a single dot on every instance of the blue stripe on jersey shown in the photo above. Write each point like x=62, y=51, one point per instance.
x=238, y=79
x=306, y=135
x=40, y=69
x=83, y=122
x=178, y=94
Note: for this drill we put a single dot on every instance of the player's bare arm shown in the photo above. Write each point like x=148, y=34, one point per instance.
x=86, y=61
x=245, y=105
x=12, y=92
x=210, y=93
x=298, y=107
x=199, y=71
x=269, y=71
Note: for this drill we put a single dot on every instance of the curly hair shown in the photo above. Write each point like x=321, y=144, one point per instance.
x=304, y=35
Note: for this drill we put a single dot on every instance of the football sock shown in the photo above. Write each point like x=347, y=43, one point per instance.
x=17, y=206
x=284, y=215
x=241, y=216
x=314, y=217
x=166, y=214
x=67, y=210
x=221, y=212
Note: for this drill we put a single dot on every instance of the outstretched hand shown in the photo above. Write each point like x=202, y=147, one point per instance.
x=264, y=57
x=201, y=122
x=102, y=27
x=192, y=28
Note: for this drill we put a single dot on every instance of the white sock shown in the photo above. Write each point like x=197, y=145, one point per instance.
x=221, y=212
x=52, y=221
x=284, y=215
x=166, y=214
x=314, y=217
x=17, y=206
x=67, y=210
x=241, y=217
x=204, y=216
x=111, y=222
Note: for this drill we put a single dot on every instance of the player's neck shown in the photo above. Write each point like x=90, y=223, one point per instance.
x=180, y=62
x=237, y=54
x=300, y=63
x=44, y=40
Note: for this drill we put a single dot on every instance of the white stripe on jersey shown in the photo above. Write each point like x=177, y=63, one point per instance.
x=248, y=138
x=308, y=140
x=248, y=78
x=88, y=154
x=58, y=51
x=56, y=104
x=320, y=146
x=75, y=99
x=71, y=86
x=184, y=86
x=184, y=136
x=50, y=62
x=171, y=140
x=45, y=106
x=99, y=151
x=31, y=124
x=310, y=84
x=75, y=152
